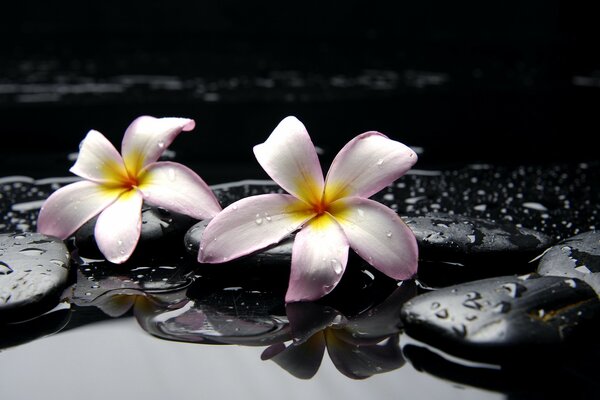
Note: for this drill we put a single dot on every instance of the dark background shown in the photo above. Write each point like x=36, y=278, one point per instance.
x=496, y=82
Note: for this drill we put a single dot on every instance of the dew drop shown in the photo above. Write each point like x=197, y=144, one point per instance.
x=502, y=307
x=571, y=283
x=514, y=289
x=30, y=251
x=171, y=174
x=5, y=269
x=336, y=265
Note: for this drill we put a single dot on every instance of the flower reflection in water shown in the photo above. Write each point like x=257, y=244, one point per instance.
x=297, y=334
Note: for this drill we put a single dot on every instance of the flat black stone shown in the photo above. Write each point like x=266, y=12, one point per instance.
x=160, y=227
x=576, y=257
x=456, y=238
x=34, y=270
x=502, y=319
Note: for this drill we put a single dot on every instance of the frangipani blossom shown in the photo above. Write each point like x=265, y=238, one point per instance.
x=114, y=186
x=329, y=214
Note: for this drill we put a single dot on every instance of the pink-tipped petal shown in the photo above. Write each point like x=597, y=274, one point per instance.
x=251, y=224
x=98, y=160
x=178, y=188
x=118, y=227
x=148, y=137
x=378, y=235
x=319, y=258
x=73, y=205
x=290, y=158
x=367, y=164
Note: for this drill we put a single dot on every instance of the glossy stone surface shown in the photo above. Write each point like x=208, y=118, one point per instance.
x=34, y=270
x=497, y=319
x=455, y=238
x=576, y=257
x=159, y=227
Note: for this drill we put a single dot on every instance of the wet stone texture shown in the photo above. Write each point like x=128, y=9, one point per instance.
x=34, y=270
x=160, y=227
x=504, y=319
x=576, y=257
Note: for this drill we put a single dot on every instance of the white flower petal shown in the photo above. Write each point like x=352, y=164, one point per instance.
x=319, y=258
x=378, y=235
x=367, y=164
x=178, y=188
x=148, y=137
x=98, y=160
x=118, y=227
x=290, y=158
x=251, y=224
x=73, y=205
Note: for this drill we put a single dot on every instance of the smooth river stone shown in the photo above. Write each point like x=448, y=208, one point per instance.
x=160, y=227
x=34, y=271
x=576, y=257
x=455, y=238
x=506, y=318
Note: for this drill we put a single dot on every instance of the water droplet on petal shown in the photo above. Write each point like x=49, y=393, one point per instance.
x=336, y=265
x=234, y=207
x=361, y=213
x=161, y=144
x=258, y=219
x=171, y=174
x=380, y=162
x=514, y=289
x=389, y=234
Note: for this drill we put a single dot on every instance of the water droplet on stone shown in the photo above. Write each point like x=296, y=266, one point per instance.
x=443, y=314
x=514, y=289
x=5, y=269
x=473, y=295
x=30, y=251
x=571, y=283
x=460, y=330
x=435, y=305
x=502, y=307
x=472, y=304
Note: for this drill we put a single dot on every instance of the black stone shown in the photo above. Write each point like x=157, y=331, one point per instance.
x=34, y=271
x=460, y=239
x=576, y=257
x=498, y=319
x=160, y=227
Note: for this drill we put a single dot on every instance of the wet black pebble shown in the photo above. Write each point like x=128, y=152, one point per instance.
x=504, y=319
x=461, y=239
x=34, y=271
x=159, y=227
x=278, y=254
x=576, y=257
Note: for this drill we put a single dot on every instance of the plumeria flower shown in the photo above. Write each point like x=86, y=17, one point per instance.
x=114, y=186
x=329, y=214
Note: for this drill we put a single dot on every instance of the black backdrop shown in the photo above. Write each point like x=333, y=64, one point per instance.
x=510, y=81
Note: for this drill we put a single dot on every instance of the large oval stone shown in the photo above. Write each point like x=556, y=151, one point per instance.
x=498, y=319
x=455, y=238
x=34, y=270
x=576, y=257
